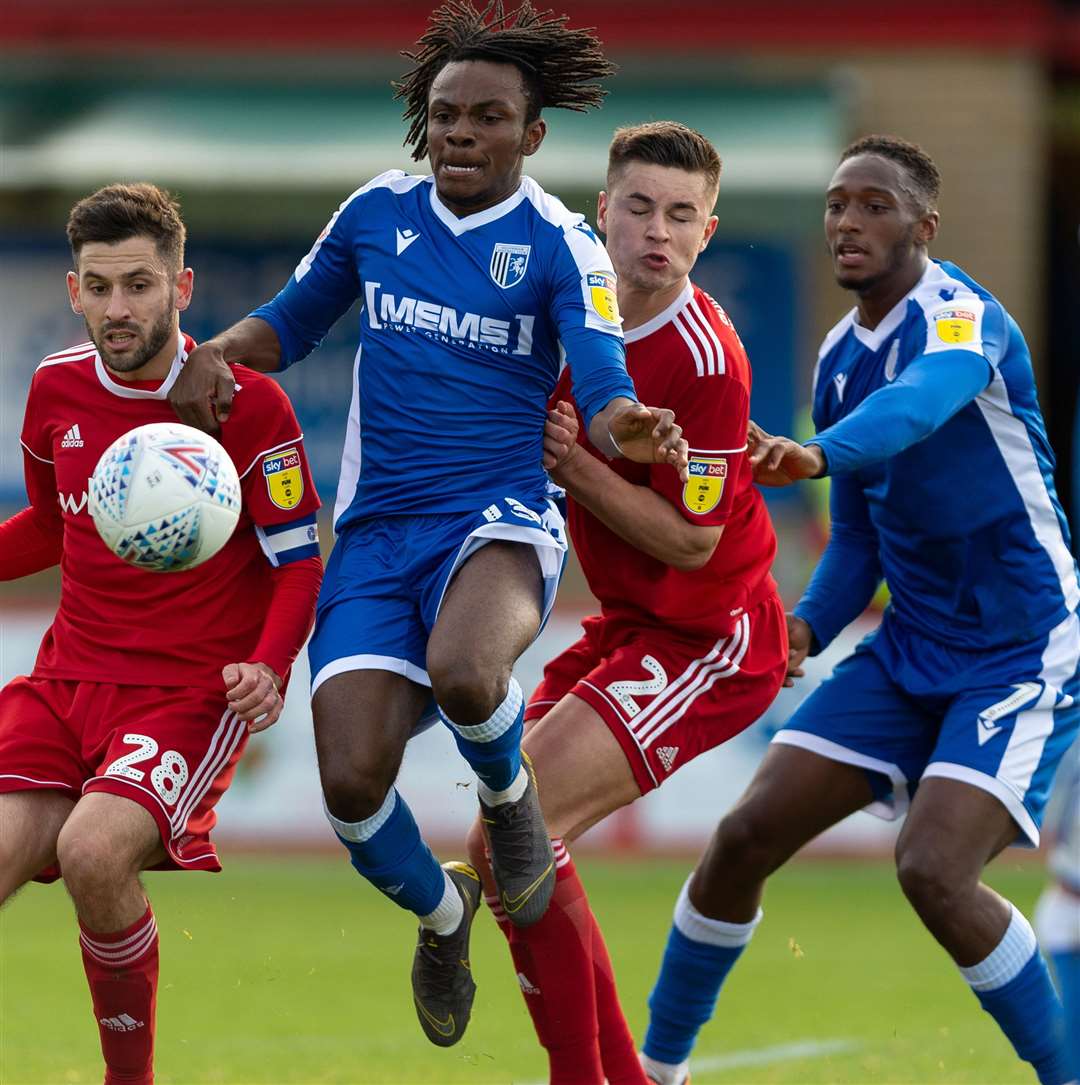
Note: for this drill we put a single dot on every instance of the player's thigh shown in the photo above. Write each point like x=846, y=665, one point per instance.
x=952, y=831
x=363, y=720
x=491, y=610
x=30, y=822
x=108, y=837
x=860, y=716
x=581, y=770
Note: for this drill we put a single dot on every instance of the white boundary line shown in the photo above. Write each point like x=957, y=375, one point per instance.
x=762, y=1056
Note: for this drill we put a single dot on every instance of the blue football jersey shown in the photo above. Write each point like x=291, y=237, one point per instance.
x=971, y=537
x=463, y=327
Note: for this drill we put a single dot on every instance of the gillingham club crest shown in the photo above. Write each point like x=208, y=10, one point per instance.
x=508, y=264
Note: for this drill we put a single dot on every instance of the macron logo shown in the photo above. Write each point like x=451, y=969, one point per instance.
x=404, y=239
x=73, y=438
x=840, y=380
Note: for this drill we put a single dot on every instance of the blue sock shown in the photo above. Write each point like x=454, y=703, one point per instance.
x=700, y=953
x=388, y=850
x=1013, y=985
x=1067, y=972
x=493, y=748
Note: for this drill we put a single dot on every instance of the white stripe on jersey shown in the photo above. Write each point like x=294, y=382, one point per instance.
x=351, y=453
x=34, y=454
x=1014, y=443
x=695, y=316
x=691, y=345
x=72, y=354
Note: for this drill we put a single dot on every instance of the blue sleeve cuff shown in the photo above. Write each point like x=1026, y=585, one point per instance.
x=598, y=374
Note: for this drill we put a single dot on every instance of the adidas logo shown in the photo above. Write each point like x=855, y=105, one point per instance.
x=73, y=438
x=122, y=1023
x=667, y=755
x=526, y=986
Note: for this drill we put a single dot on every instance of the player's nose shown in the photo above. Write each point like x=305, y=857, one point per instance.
x=118, y=308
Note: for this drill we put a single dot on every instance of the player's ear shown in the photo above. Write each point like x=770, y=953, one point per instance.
x=601, y=212
x=534, y=136
x=710, y=229
x=73, y=292
x=185, y=283
x=928, y=228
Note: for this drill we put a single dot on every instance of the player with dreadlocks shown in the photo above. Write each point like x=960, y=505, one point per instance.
x=448, y=548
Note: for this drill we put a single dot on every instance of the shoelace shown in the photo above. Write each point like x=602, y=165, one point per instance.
x=516, y=837
x=440, y=979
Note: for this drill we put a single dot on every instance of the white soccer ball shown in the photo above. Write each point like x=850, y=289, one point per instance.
x=165, y=497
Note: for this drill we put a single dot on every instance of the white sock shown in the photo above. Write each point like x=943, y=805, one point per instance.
x=1007, y=959
x=511, y=794
x=713, y=932
x=664, y=1073
x=448, y=913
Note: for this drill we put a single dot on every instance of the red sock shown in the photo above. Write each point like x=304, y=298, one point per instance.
x=554, y=965
x=122, y=970
x=617, y=1048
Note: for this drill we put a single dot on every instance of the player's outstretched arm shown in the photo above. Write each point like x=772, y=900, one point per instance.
x=33, y=539
x=642, y=434
x=638, y=514
x=203, y=393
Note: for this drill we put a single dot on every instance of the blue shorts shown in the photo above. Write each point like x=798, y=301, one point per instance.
x=387, y=576
x=905, y=708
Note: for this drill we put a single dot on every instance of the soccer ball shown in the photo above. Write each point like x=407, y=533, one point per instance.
x=165, y=497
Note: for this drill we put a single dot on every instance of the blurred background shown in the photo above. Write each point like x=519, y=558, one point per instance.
x=263, y=116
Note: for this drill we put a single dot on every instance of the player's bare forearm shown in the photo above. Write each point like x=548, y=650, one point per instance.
x=600, y=426
x=637, y=514
x=203, y=393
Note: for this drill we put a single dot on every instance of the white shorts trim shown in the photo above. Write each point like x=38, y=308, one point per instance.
x=367, y=662
x=37, y=783
x=996, y=787
x=886, y=809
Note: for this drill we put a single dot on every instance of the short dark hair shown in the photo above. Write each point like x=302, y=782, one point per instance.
x=925, y=178
x=116, y=212
x=560, y=68
x=664, y=143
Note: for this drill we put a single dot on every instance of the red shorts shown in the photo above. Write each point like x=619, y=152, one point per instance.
x=668, y=698
x=171, y=749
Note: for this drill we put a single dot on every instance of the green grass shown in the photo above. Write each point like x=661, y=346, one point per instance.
x=294, y=971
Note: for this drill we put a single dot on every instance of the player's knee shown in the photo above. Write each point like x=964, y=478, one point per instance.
x=93, y=863
x=466, y=690
x=929, y=880
x=743, y=847
x=355, y=792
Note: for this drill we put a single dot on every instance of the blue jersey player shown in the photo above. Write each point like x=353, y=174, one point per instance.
x=959, y=708
x=474, y=282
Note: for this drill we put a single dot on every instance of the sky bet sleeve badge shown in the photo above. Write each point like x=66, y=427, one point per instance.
x=284, y=479
x=601, y=286
x=955, y=325
x=705, y=486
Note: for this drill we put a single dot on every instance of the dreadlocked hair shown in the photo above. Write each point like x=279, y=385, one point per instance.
x=560, y=68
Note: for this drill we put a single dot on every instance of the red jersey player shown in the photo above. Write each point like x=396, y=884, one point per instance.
x=115, y=749
x=690, y=646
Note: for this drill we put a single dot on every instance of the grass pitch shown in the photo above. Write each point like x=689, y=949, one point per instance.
x=296, y=971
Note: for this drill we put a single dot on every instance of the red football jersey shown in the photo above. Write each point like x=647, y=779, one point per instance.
x=120, y=624
x=688, y=358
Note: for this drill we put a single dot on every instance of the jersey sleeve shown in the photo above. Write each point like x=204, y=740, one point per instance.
x=585, y=309
x=323, y=286
x=966, y=322
x=713, y=411
x=275, y=478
